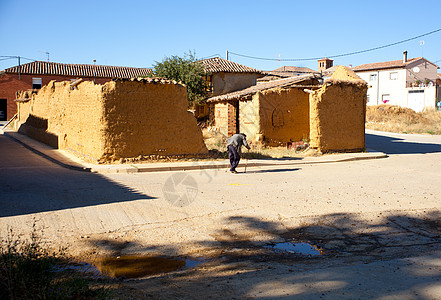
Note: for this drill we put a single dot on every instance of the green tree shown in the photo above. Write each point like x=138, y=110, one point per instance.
x=186, y=70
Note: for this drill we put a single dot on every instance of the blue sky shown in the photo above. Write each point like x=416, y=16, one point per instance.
x=139, y=33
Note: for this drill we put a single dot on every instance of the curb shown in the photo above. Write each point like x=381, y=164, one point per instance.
x=129, y=169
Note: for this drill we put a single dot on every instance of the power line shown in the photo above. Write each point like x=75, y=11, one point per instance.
x=338, y=55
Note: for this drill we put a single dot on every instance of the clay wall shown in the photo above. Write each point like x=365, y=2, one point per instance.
x=283, y=115
x=66, y=118
x=249, y=118
x=225, y=117
x=229, y=82
x=120, y=119
x=337, y=116
x=148, y=118
x=10, y=84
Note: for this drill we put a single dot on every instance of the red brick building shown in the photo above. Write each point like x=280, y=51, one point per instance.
x=38, y=73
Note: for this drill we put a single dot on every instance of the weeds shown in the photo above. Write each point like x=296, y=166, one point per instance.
x=402, y=120
x=29, y=271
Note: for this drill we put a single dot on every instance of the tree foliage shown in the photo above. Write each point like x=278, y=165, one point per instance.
x=186, y=70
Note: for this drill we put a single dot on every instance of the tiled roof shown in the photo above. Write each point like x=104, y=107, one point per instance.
x=293, y=69
x=217, y=64
x=52, y=68
x=261, y=87
x=155, y=80
x=385, y=65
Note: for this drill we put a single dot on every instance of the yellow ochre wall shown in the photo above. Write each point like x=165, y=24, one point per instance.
x=276, y=116
x=338, y=112
x=120, y=119
x=147, y=118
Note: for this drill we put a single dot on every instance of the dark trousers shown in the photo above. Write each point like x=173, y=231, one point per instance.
x=234, y=157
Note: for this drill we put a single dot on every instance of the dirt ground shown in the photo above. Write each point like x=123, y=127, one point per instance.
x=374, y=222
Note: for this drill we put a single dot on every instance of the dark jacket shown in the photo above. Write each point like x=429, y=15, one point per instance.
x=237, y=140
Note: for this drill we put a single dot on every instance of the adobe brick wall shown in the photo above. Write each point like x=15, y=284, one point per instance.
x=338, y=113
x=276, y=116
x=284, y=115
x=10, y=84
x=122, y=119
x=225, y=117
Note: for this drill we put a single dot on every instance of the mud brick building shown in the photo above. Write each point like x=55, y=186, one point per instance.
x=112, y=121
x=36, y=74
x=273, y=112
x=331, y=114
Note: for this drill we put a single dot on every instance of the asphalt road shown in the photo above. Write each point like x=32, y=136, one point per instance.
x=369, y=215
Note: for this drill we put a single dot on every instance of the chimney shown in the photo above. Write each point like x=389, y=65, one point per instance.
x=405, y=57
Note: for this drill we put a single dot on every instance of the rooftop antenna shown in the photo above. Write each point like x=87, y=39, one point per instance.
x=47, y=53
x=422, y=48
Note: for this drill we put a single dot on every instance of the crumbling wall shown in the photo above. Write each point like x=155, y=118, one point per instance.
x=283, y=115
x=71, y=118
x=225, y=117
x=338, y=112
x=148, y=118
x=249, y=118
x=120, y=119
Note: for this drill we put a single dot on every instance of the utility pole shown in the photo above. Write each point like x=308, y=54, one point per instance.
x=19, y=68
x=227, y=55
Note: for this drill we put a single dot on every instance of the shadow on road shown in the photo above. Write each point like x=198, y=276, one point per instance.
x=393, y=145
x=31, y=184
x=28, y=191
x=358, y=255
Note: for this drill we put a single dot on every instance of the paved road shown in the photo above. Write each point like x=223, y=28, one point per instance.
x=393, y=204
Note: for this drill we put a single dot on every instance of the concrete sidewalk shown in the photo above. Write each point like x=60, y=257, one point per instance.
x=68, y=160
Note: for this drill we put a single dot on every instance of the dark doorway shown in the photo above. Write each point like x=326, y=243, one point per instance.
x=3, y=109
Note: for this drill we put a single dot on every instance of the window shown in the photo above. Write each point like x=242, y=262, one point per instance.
x=393, y=75
x=385, y=98
x=373, y=77
x=36, y=83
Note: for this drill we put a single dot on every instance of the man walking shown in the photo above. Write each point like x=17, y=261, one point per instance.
x=234, y=145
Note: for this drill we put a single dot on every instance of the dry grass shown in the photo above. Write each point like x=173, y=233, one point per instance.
x=216, y=141
x=402, y=120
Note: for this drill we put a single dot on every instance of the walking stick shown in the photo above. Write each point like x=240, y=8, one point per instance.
x=246, y=162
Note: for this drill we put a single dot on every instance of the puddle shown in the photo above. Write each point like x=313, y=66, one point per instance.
x=135, y=266
x=298, y=248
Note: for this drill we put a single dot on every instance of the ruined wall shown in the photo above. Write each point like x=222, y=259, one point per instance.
x=120, y=119
x=148, y=118
x=338, y=112
x=225, y=117
x=283, y=115
x=66, y=118
x=229, y=82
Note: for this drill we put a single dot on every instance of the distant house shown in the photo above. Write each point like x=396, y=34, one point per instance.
x=38, y=73
x=224, y=76
x=407, y=82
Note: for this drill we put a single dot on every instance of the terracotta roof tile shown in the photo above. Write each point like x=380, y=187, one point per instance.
x=385, y=65
x=217, y=64
x=263, y=86
x=52, y=68
x=293, y=69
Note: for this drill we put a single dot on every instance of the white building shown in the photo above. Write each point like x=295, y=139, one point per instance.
x=408, y=82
